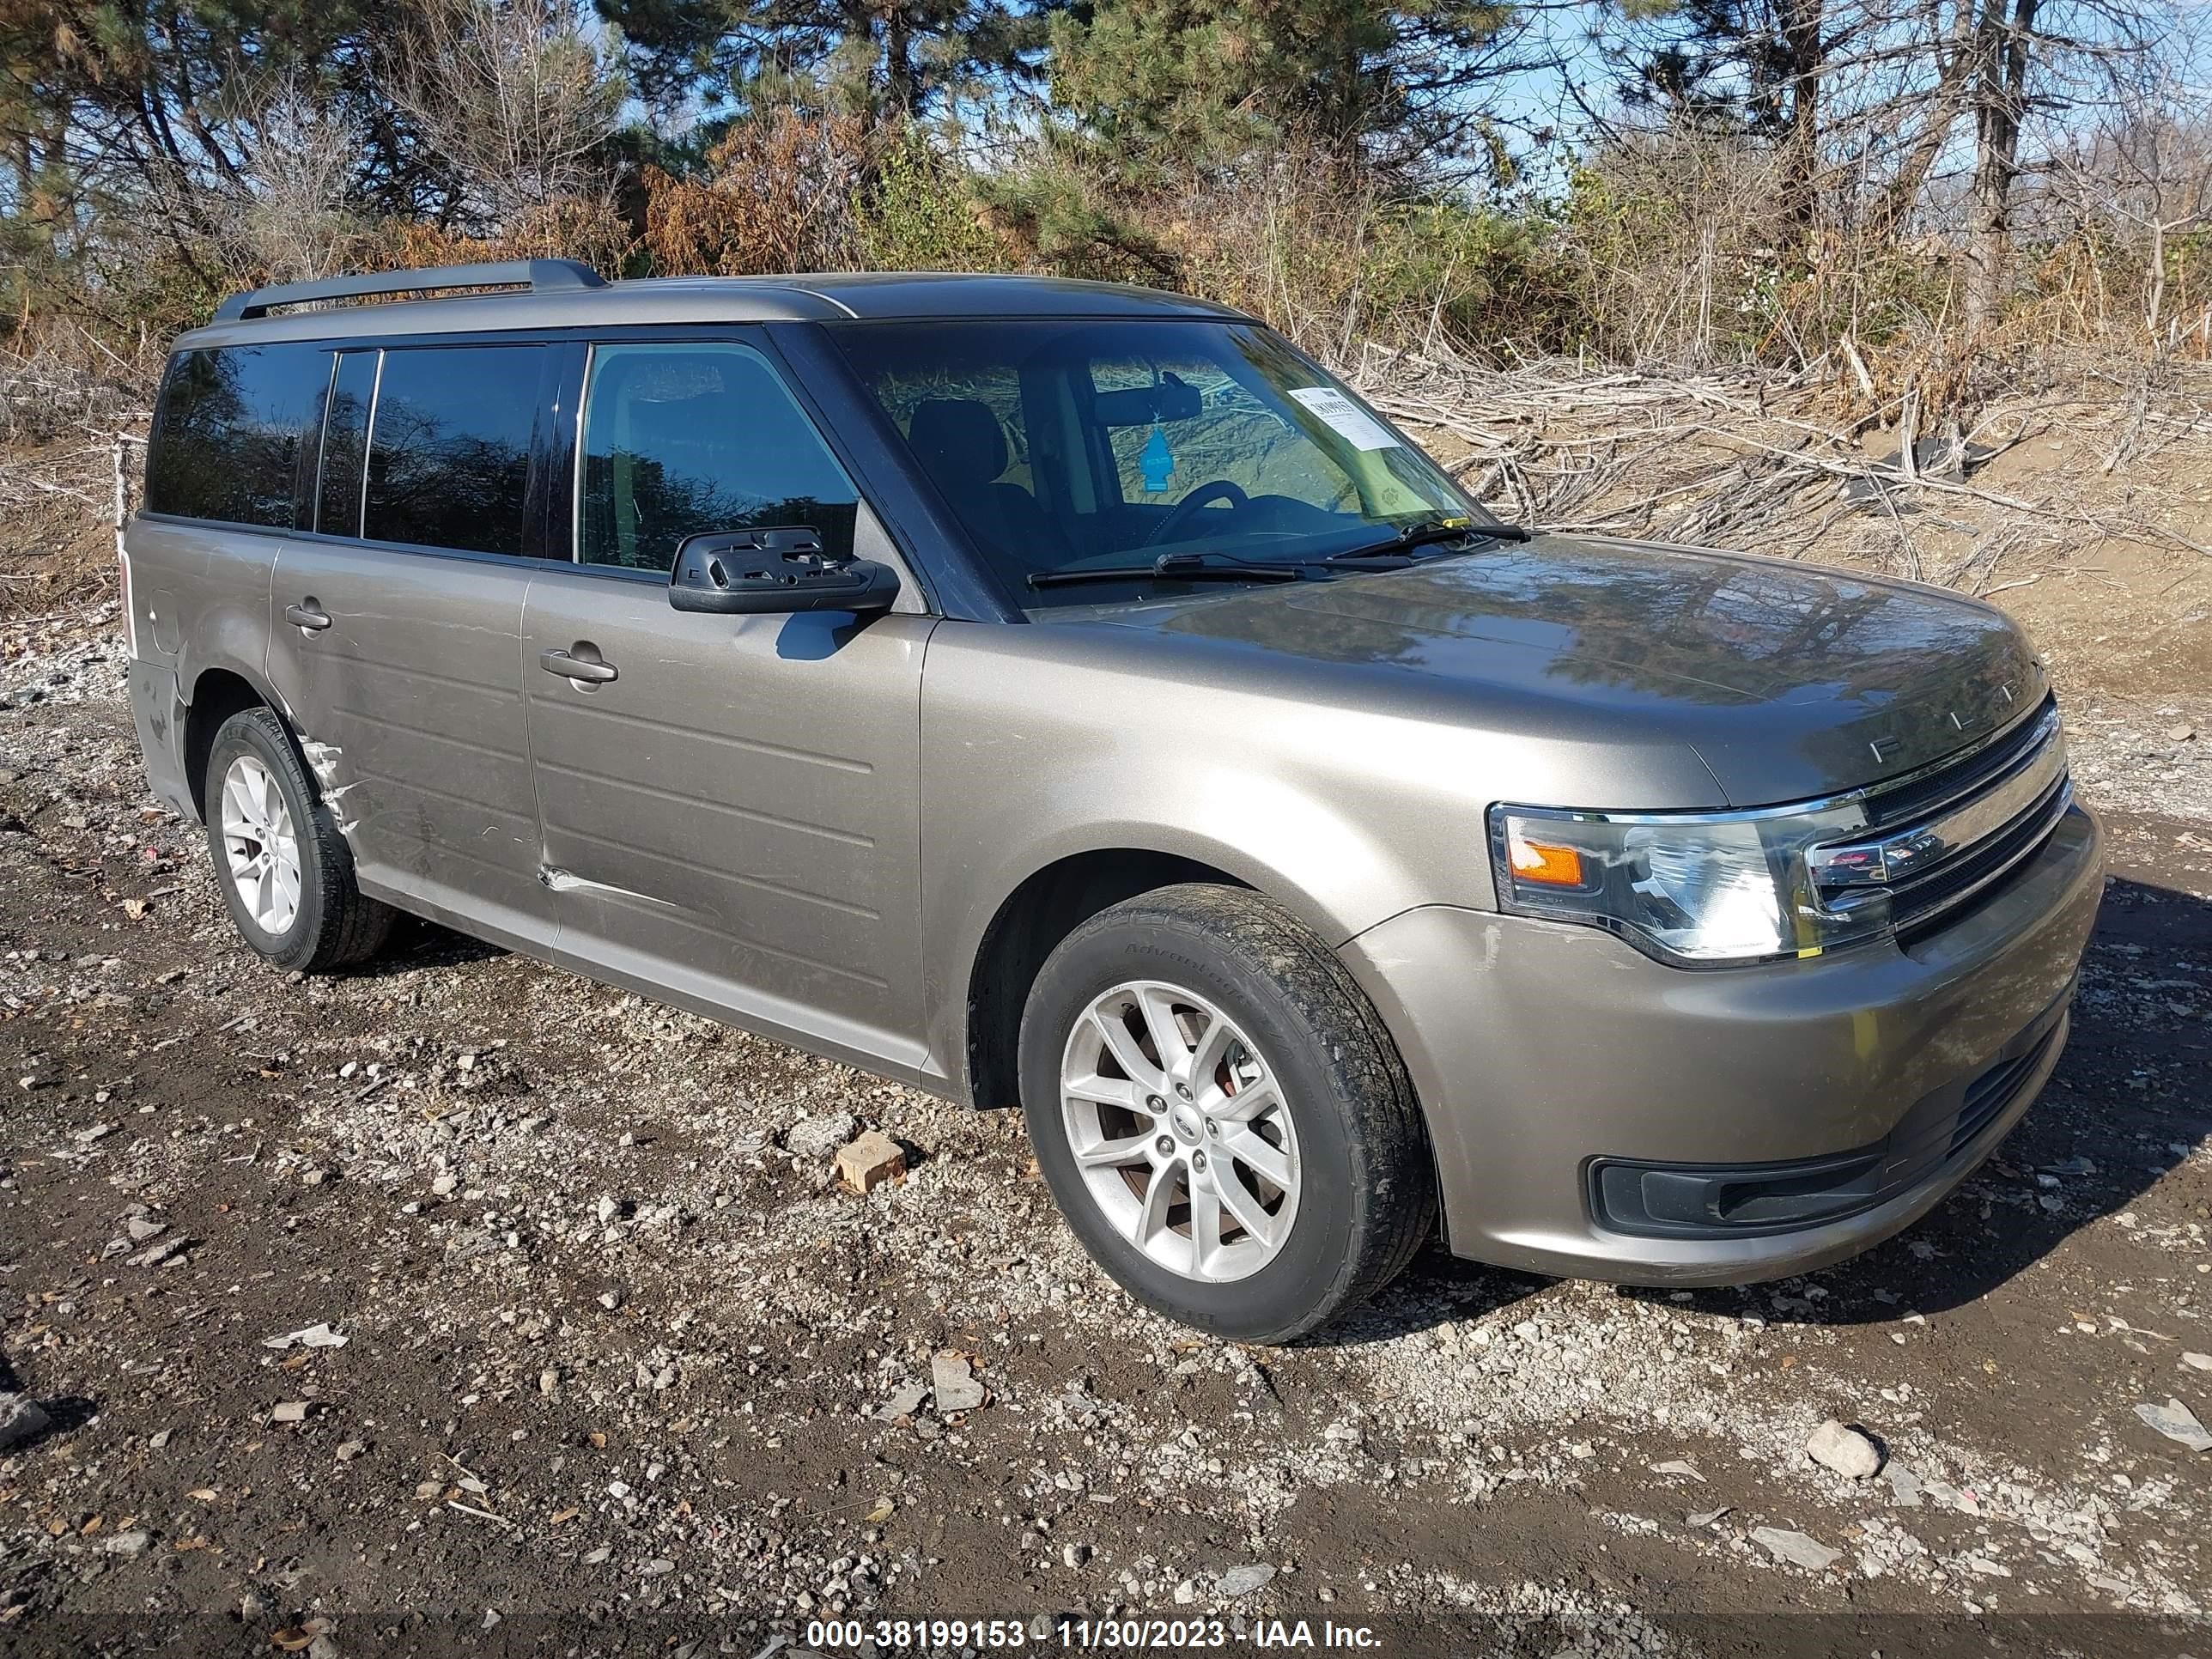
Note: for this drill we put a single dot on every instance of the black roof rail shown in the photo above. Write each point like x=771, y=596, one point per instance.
x=538, y=276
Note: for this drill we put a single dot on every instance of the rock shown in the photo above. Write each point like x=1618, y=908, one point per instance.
x=160, y=1252
x=1904, y=1484
x=2198, y=1362
x=1074, y=1555
x=953, y=1384
x=2178, y=1422
x=141, y=1230
x=904, y=1402
x=1850, y=1452
x=307, y=1336
x=1242, y=1581
x=127, y=1543
x=865, y=1163
x=659, y=1564
x=2179, y=733
x=1796, y=1548
x=20, y=1419
x=1185, y=1593
x=349, y=1449
x=160, y=1442
x=817, y=1139
x=1705, y=1517
x=608, y=1210
x=548, y=1383
x=291, y=1411
x=444, y=1185
x=1677, y=1465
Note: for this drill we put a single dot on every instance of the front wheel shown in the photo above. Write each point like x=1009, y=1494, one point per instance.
x=1221, y=1115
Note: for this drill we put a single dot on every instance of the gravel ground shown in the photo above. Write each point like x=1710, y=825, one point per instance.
x=461, y=1305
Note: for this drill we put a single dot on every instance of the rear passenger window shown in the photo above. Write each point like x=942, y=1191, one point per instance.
x=226, y=444
x=683, y=439
x=345, y=441
x=449, y=447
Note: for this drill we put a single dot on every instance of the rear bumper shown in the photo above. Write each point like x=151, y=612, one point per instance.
x=1546, y=1054
x=157, y=710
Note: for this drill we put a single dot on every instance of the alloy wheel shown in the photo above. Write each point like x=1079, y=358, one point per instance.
x=1179, y=1131
x=260, y=848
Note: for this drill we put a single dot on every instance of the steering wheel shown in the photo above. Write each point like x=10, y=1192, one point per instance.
x=1179, y=515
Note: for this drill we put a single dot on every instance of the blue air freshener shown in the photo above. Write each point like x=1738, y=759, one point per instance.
x=1157, y=460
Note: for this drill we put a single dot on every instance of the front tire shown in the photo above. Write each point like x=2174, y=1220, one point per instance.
x=284, y=869
x=1221, y=1115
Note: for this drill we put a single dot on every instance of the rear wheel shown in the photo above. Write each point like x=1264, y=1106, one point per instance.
x=285, y=870
x=1221, y=1115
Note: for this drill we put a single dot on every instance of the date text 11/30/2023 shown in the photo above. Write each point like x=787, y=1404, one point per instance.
x=831, y=1636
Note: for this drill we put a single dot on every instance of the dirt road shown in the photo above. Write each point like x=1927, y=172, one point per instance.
x=620, y=1372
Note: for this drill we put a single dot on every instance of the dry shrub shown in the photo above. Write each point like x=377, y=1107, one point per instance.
x=1317, y=247
x=778, y=197
x=588, y=230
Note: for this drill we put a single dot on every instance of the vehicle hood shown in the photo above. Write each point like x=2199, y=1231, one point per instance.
x=1788, y=681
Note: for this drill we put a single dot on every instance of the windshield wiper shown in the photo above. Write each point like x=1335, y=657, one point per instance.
x=1424, y=534
x=1170, y=567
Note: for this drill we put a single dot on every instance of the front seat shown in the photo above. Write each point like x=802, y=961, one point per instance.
x=961, y=445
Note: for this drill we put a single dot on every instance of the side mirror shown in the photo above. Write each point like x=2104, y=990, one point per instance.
x=755, y=572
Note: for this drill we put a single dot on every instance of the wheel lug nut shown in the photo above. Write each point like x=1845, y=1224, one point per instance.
x=1211, y=1127
x=1198, y=1160
x=1165, y=1145
x=1183, y=1090
x=1154, y=1104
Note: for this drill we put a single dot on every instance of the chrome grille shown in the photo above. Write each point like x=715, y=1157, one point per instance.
x=1952, y=833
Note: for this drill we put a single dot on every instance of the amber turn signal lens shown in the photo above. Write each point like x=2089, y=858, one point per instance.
x=1548, y=865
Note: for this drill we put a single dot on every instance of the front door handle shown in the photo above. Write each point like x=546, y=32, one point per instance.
x=576, y=668
x=306, y=617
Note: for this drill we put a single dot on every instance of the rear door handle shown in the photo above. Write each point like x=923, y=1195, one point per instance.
x=576, y=668
x=306, y=617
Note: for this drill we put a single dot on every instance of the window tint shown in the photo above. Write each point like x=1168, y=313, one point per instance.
x=679, y=440
x=226, y=444
x=449, y=451
x=345, y=433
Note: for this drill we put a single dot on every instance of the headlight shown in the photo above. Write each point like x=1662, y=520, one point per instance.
x=1698, y=889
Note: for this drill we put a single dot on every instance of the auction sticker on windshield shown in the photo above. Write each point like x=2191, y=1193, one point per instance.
x=1345, y=417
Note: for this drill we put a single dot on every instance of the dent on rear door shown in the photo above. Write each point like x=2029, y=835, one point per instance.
x=409, y=709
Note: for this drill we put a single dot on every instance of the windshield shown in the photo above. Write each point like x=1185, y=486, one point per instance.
x=1098, y=444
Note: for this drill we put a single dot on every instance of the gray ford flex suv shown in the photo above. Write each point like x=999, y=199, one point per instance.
x=1067, y=695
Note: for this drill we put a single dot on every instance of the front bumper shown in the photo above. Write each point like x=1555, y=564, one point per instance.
x=1544, y=1053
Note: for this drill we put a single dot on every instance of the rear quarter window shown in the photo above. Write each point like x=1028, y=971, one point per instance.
x=229, y=431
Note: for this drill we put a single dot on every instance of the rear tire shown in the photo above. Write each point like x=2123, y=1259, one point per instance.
x=1221, y=1115
x=285, y=870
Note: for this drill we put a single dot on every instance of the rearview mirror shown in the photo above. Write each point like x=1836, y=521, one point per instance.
x=772, y=572
x=1172, y=399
